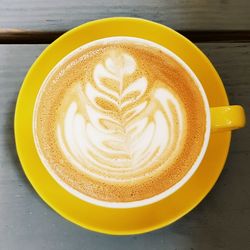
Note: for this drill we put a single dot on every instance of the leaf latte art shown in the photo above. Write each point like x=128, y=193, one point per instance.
x=119, y=121
x=113, y=130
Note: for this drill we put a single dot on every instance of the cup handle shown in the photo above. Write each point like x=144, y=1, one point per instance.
x=226, y=118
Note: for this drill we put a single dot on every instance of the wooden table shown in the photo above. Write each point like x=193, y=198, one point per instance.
x=220, y=28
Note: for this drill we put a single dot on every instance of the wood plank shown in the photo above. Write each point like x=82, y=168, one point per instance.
x=61, y=15
x=219, y=222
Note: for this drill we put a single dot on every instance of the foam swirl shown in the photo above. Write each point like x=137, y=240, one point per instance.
x=115, y=127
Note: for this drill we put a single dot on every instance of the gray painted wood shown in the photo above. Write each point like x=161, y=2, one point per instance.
x=179, y=14
x=221, y=221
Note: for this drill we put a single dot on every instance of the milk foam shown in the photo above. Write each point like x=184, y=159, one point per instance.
x=119, y=120
x=122, y=143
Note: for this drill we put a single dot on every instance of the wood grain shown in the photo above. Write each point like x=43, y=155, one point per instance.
x=221, y=221
x=47, y=15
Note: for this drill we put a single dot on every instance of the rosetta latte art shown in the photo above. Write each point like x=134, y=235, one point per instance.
x=120, y=130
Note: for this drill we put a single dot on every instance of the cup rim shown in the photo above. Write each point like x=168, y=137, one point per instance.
x=153, y=199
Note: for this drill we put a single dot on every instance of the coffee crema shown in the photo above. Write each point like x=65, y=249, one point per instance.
x=119, y=121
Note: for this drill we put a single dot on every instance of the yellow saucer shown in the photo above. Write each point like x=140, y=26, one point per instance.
x=107, y=220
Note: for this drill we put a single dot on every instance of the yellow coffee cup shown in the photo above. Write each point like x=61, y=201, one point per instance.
x=218, y=119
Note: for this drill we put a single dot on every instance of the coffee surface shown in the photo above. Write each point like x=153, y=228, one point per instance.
x=119, y=121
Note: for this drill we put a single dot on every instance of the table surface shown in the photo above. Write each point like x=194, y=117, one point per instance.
x=221, y=29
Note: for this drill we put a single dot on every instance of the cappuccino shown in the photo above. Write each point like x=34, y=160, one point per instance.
x=119, y=120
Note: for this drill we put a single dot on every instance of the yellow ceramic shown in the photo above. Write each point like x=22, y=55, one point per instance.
x=134, y=220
